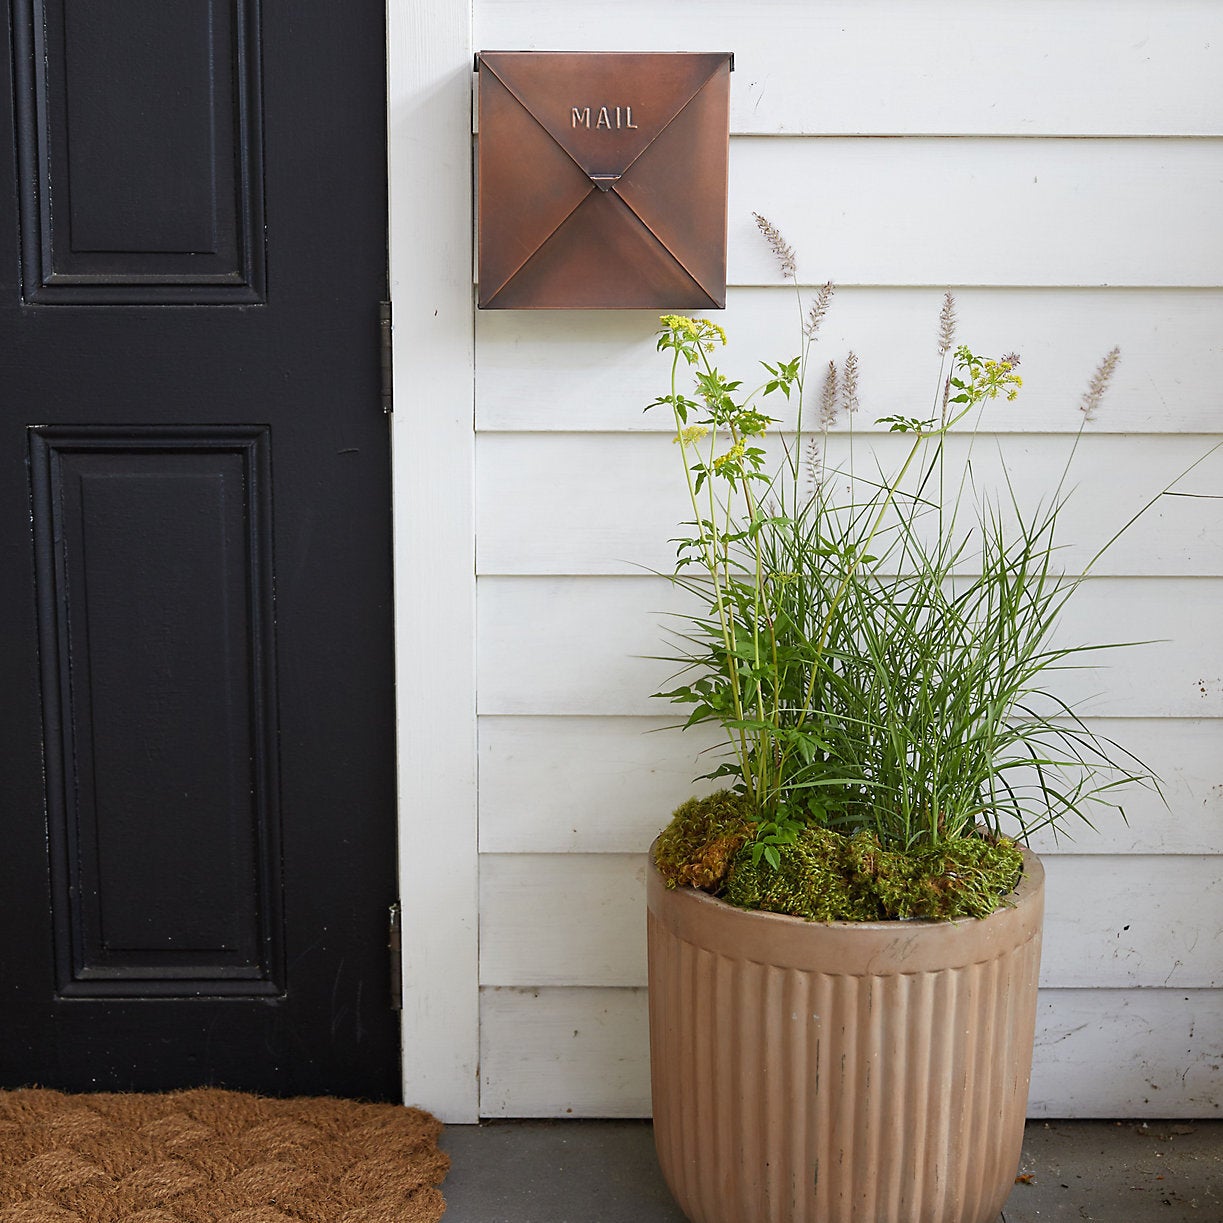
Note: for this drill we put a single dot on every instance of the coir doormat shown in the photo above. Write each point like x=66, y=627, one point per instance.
x=210, y=1156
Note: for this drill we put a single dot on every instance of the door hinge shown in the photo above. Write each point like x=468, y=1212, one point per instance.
x=388, y=367
x=395, y=947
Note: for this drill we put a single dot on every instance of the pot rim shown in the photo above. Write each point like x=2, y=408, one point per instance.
x=918, y=945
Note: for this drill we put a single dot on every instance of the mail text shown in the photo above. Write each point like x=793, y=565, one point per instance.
x=606, y=118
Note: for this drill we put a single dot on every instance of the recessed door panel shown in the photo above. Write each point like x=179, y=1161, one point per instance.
x=155, y=621
x=140, y=153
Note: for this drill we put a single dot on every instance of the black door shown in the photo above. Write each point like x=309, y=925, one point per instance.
x=196, y=705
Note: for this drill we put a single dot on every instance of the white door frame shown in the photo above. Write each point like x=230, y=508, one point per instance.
x=429, y=58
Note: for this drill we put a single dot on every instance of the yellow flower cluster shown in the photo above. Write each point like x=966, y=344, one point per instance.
x=678, y=322
x=998, y=377
x=732, y=455
x=693, y=433
x=703, y=330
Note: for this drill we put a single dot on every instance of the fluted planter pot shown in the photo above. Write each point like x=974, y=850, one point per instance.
x=841, y=1072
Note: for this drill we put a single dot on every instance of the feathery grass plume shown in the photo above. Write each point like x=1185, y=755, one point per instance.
x=849, y=382
x=946, y=324
x=813, y=468
x=778, y=245
x=819, y=308
x=1099, y=384
x=828, y=397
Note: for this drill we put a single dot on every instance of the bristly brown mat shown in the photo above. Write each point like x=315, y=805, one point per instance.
x=211, y=1156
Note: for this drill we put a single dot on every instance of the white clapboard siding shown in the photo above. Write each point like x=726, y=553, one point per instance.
x=1091, y=66
x=623, y=497
x=602, y=368
x=1026, y=213
x=980, y=211
x=1099, y=1053
x=556, y=785
x=562, y=919
x=583, y=645
x=1110, y=921
x=564, y=1053
x=1128, y=1053
x=583, y=785
x=1070, y=193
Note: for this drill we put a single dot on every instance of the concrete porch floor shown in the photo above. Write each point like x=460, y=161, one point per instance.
x=605, y=1172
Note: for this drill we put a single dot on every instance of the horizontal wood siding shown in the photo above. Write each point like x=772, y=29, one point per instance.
x=564, y=1053
x=581, y=1052
x=1070, y=194
x=978, y=211
x=940, y=67
x=617, y=489
x=1112, y=921
x=606, y=785
x=583, y=645
x=603, y=370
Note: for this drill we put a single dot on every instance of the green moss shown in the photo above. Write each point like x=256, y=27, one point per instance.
x=825, y=876
x=704, y=835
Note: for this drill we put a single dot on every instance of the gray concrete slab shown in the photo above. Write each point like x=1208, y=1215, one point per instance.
x=605, y=1172
x=1120, y=1172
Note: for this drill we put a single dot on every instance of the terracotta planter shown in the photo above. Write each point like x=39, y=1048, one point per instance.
x=841, y=1072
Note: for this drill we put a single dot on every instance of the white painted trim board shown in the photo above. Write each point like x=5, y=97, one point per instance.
x=433, y=440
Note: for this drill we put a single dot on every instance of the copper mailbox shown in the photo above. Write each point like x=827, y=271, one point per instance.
x=602, y=179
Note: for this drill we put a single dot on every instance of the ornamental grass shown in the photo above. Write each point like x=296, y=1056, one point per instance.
x=876, y=642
